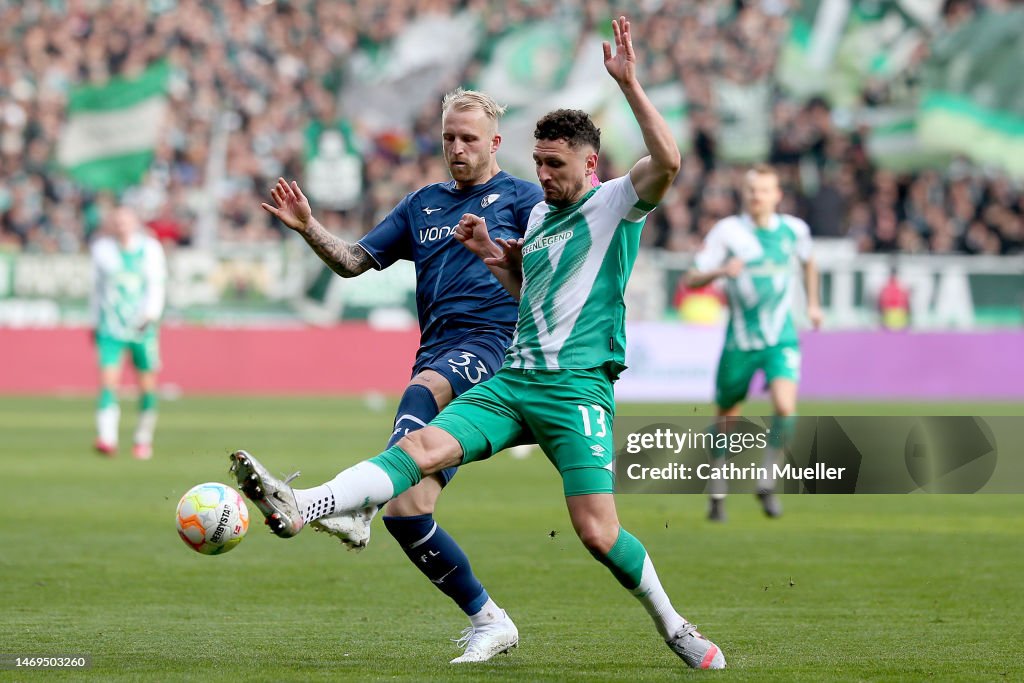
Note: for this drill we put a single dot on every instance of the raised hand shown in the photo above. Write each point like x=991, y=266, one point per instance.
x=511, y=258
x=622, y=65
x=292, y=206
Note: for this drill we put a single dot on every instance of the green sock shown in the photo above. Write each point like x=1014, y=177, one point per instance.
x=782, y=430
x=148, y=401
x=400, y=468
x=625, y=559
x=107, y=399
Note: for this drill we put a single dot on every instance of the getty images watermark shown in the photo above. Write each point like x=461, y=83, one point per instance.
x=821, y=454
x=718, y=444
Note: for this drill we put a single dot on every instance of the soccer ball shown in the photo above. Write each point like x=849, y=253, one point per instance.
x=212, y=518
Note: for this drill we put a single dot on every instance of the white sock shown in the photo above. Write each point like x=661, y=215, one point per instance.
x=107, y=424
x=654, y=599
x=488, y=614
x=771, y=456
x=362, y=485
x=717, y=488
x=147, y=425
x=315, y=503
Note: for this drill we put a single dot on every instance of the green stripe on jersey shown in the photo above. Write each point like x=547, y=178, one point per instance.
x=760, y=298
x=576, y=261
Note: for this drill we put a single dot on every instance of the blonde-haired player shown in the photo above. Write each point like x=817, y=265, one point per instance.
x=753, y=253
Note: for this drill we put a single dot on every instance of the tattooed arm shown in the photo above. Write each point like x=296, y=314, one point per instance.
x=344, y=258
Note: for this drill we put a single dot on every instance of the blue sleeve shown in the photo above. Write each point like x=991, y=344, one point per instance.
x=391, y=240
x=529, y=195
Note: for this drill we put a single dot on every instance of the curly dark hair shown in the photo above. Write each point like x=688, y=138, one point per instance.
x=572, y=125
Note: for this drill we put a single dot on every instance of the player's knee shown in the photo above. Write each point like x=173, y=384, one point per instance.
x=432, y=449
x=597, y=537
x=418, y=500
x=783, y=408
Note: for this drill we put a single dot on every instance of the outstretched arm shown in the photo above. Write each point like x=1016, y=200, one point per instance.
x=504, y=258
x=292, y=208
x=814, y=313
x=698, y=278
x=652, y=175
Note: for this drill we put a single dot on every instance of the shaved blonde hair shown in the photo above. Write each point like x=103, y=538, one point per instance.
x=472, y=100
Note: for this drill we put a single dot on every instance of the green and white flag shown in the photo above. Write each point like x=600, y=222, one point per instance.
x=530, y=61
x=621, y=137
x=112, y=129
x=972, y=102
x=894, y=140
x=835, y=46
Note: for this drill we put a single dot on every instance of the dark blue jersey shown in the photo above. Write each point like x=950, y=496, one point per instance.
x=455, y=292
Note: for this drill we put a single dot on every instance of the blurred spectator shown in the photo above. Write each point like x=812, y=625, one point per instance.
x=894, y=303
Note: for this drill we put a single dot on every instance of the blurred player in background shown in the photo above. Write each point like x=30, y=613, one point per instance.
x=754, y=253
x=466, y=323
x=570, y=274
x=129, y=276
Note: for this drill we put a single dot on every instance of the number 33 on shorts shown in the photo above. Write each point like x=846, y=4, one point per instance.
x=468, y=367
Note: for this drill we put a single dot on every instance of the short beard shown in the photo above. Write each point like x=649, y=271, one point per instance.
x=578, y=192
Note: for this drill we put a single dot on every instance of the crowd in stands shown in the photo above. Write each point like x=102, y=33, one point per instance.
x=263, y=70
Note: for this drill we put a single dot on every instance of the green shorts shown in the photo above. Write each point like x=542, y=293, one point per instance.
x=568, y=413
x=736, y=369
x=145, y=352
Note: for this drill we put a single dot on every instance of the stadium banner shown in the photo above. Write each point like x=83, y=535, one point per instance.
x=670, y=362
x=971, y=103
x=112, y=129
x=820, y=454
x=226, y=358
x=287, y=284
x=349, y=359
x=233, y=285
x=674, y=362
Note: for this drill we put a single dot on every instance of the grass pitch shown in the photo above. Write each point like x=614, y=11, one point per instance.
x=841, y=588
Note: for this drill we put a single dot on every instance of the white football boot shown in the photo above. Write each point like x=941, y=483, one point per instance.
x=483, y=642
x=697, y=651
x=351, y=528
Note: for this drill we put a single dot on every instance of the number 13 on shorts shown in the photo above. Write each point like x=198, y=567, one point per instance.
x=594, y=422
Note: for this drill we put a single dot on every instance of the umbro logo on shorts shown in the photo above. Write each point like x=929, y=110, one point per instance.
x=598, y=450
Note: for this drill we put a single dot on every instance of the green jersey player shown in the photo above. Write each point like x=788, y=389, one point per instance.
x=754, y=253
x=129, y=273
x=569, y=272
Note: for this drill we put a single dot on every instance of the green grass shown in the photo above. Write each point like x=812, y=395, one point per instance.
x=890, y=588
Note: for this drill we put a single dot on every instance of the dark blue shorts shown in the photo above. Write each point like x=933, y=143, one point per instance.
x=465, y=362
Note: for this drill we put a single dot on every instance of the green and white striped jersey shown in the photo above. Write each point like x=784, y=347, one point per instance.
x=760, y=299
x=128, y=285
x=576, y=261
